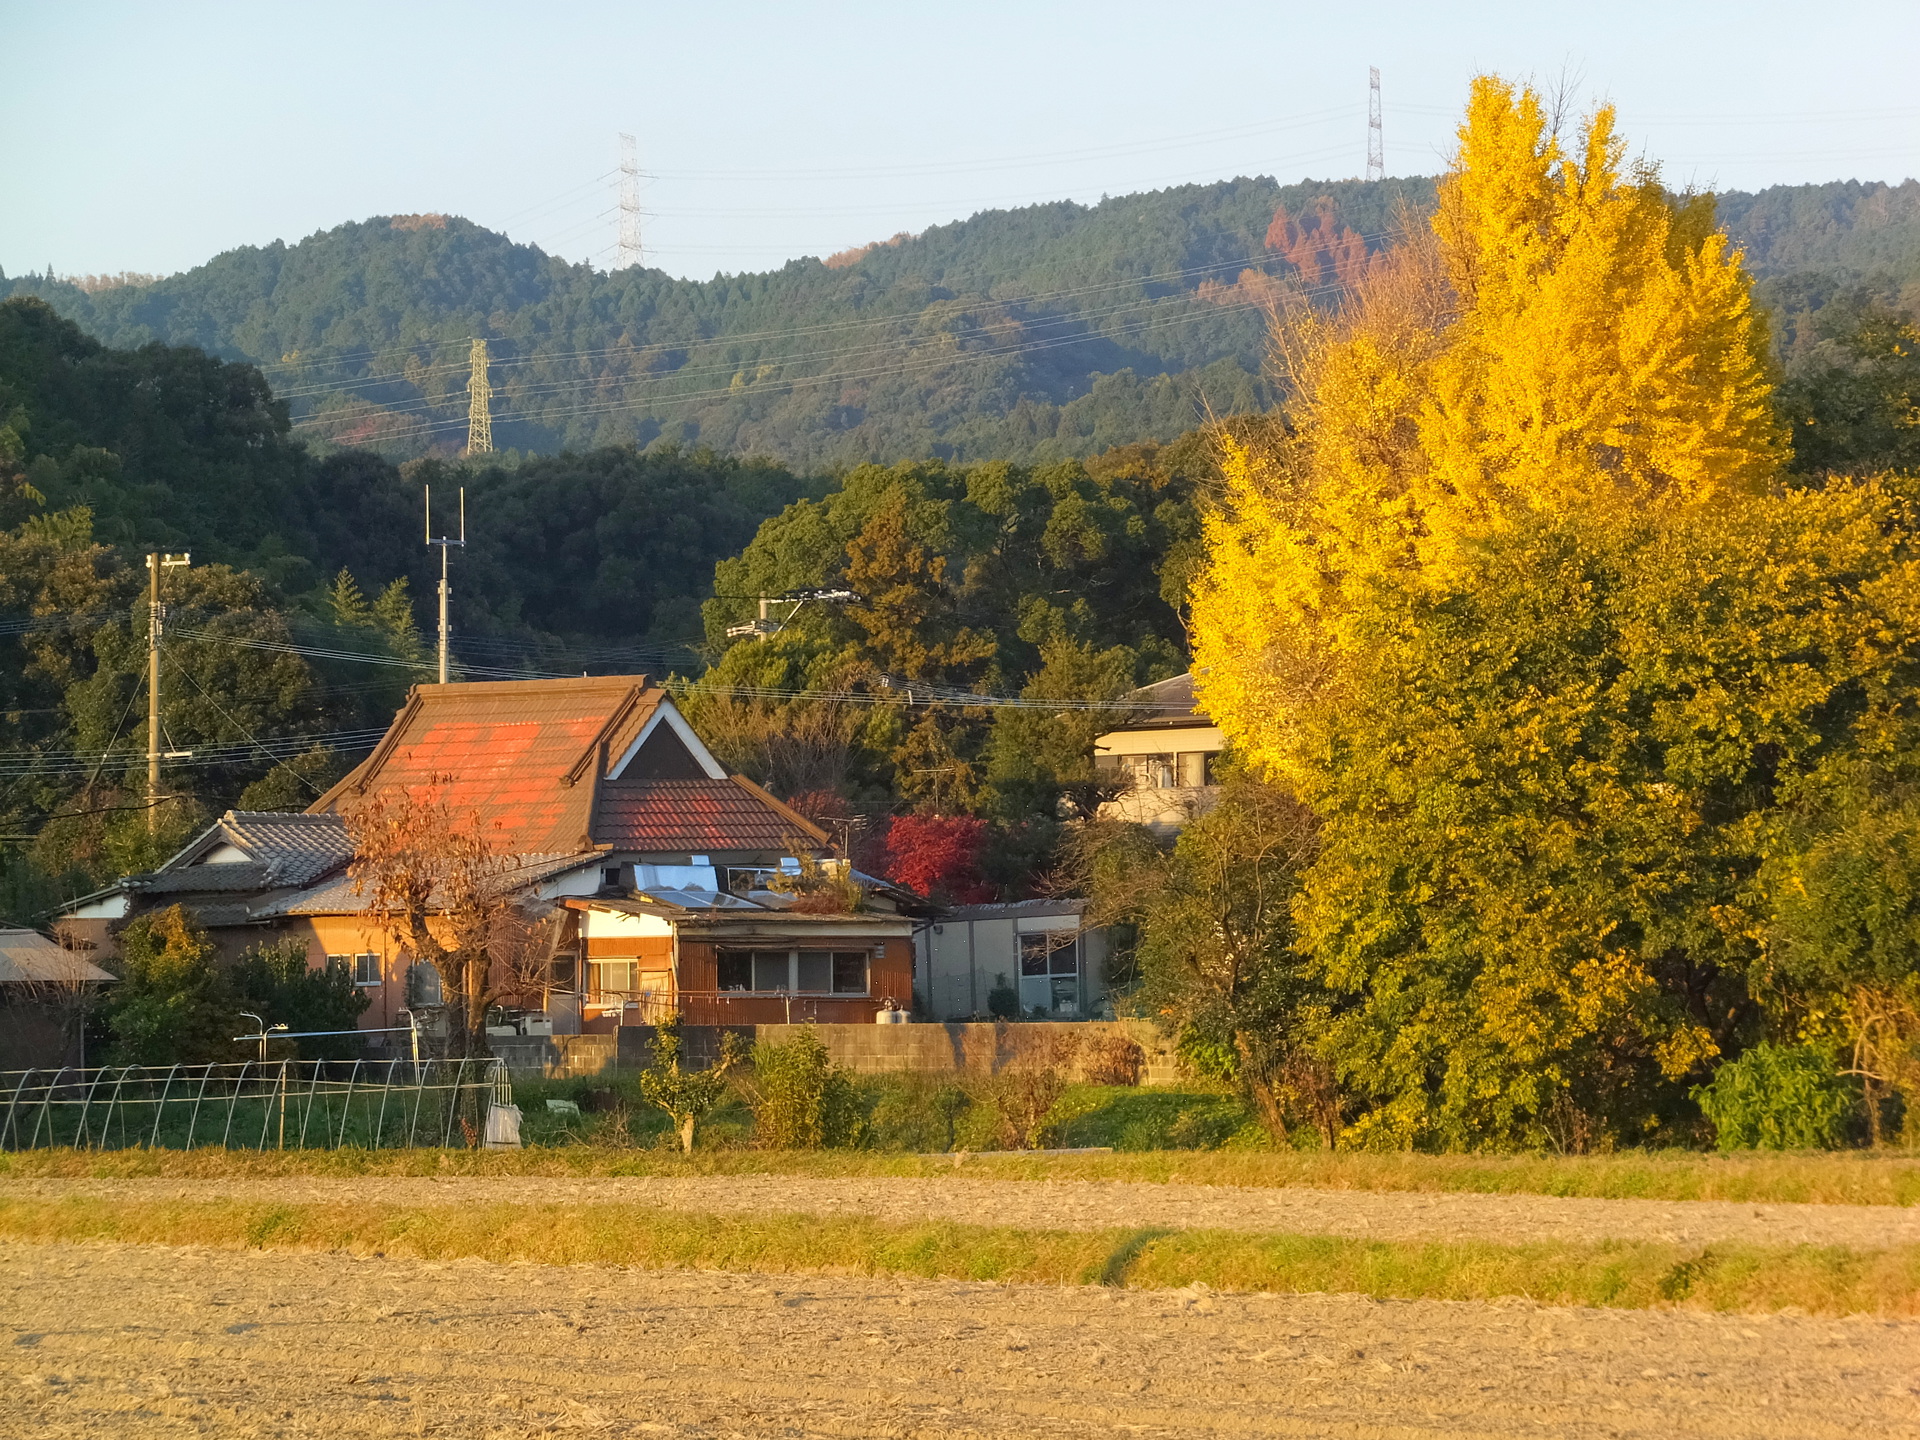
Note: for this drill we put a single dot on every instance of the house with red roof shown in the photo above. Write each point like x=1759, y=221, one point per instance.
x=652, y=872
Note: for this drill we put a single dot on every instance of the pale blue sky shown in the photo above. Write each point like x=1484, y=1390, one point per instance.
x=151, y=137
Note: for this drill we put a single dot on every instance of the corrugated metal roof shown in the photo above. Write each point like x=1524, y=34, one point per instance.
x=694, y=816
x=27, y=957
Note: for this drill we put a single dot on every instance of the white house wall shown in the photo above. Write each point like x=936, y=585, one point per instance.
x=1160, y=742
x=616, y=925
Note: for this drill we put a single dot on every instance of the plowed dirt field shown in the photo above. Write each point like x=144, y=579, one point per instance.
x=138, y=1341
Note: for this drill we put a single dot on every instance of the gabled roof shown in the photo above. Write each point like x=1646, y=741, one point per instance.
x=281, y=849
x=530, y=761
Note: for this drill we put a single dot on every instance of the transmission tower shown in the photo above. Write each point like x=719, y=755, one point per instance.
x=629, y=204
x=479, y=404
x=1376, y=148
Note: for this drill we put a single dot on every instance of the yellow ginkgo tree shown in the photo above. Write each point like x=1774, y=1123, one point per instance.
x=1519, y=603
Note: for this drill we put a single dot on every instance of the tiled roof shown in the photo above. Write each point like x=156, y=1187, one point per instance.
x=521, y=756
x=301, y=848
x=204, y=879
x=695, y=816
x=338, y=896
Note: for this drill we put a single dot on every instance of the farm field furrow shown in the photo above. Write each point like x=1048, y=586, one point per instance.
x=142, y=1341
x=1077, y=1205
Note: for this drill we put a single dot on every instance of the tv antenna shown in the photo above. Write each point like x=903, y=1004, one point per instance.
x=630, y=254
x=1376, y=147
x=446, y=543
x=768, y=625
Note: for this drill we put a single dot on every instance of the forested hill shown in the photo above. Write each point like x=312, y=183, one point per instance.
x=1053, y=330
x=1049, y=331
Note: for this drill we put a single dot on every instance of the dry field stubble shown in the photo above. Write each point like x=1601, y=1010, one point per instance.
x=363, y=1300
x=1856, y=1178
x=141, y=1341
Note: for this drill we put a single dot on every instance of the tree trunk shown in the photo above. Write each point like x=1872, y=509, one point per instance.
x=686, y=1134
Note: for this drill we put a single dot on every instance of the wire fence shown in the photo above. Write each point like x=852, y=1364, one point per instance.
x=260, y=1105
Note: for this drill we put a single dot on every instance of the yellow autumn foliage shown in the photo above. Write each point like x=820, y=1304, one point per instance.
x=1568, y=339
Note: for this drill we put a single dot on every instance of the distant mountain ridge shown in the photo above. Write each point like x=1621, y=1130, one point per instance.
x=1049, y=331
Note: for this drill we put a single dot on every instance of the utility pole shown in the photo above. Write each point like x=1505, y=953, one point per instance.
x=1376, y=147
x=156, y=622
x=630, y=253
x=479, y=403
x=446, y=543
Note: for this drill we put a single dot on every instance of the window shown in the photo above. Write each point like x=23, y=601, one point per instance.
x=850, y=972
x=611, y=977
x=771, y=970
x=736, y=969
x=366, y=969
x=814, y=972
x=1151, y=772
x=423, y=984
x=1195, y=767
x=1050, y=952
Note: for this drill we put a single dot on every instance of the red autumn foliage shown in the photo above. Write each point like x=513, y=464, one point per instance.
x=1322, y=248
x=939, y=856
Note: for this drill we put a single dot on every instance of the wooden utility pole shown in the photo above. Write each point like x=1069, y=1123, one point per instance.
x=156, y=622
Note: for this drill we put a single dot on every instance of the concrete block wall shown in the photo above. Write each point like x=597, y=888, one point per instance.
x=955, y=1048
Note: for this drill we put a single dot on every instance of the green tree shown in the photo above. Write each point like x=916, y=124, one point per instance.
x=687, y=1096
x=1852, y=388
x=1215, y=951
x=276, y=980
x=1550, y=795
x=174, y=1005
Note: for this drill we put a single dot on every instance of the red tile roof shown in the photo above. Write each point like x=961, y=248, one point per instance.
x=698, y=816
x=528, y=759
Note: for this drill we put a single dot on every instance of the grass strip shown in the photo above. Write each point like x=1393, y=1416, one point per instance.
x=1839, y=1179
x=1624, y=1274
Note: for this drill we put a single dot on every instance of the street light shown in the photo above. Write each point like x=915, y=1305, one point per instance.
x=264, y=1032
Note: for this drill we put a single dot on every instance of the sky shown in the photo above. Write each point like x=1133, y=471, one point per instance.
x=152, y=137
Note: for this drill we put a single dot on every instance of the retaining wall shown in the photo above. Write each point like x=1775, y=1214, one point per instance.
x=944, y=1049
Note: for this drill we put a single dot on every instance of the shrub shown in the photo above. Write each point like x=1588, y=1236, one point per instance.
x=1112, y=1060
x=1003, y=1001
x=276, y=981
x=801, y=1100
x=1778, y=1097
x=1023, y=1095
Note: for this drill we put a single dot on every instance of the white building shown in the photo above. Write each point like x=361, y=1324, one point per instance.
x=1037, y=948
x=1166, y=759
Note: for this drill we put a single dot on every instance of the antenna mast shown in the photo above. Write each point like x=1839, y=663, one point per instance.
x=630, y=253
x=446, y=543
x=1376, y=148
x=479, y=404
